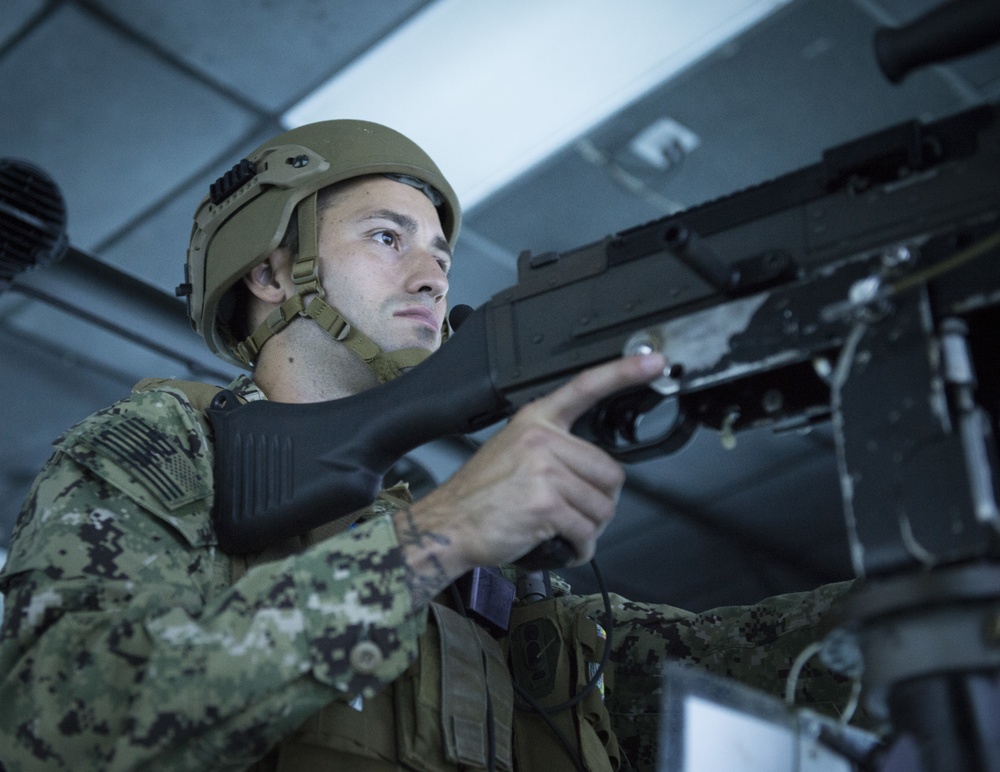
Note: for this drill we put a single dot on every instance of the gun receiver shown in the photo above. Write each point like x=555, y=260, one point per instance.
x=752, y=298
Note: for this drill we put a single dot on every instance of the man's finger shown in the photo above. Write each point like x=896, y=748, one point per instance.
x=570, y=401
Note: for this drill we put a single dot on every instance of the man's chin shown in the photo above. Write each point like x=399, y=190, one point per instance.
x=426, y=338
x=428, y=345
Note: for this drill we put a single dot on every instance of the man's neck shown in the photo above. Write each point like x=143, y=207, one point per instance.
x=286, y=376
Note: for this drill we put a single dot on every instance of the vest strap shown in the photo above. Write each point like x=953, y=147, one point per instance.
x=465, y=673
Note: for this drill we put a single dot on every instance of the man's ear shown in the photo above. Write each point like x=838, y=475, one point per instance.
x=266, y=280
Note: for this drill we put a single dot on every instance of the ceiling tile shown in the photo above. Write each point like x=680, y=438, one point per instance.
x=16, y=14
x=112, y=124
x=272, y=53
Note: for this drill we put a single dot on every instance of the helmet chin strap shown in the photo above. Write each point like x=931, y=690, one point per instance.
x=385, y=365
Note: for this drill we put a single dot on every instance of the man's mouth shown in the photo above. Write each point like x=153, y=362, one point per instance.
x=421, y=314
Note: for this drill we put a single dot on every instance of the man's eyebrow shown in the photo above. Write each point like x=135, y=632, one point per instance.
x=409, y=225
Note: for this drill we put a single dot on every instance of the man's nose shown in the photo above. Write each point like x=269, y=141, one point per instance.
x=428, y=276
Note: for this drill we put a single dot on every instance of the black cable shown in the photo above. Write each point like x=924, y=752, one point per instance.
x=602, y=663
x=546, y=713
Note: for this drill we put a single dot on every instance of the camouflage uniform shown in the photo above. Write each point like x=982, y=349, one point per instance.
x=127, y=644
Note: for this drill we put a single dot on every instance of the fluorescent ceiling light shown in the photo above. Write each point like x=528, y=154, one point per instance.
x=489, y=89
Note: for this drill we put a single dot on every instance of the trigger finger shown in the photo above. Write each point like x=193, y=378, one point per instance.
x=573, y=399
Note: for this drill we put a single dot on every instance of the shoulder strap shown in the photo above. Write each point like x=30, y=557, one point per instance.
x=200, y=395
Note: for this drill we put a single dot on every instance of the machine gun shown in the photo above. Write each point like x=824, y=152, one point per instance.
x=863, y=290
x=755, y=299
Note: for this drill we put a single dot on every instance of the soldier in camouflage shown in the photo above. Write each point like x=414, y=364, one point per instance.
x=130, y=641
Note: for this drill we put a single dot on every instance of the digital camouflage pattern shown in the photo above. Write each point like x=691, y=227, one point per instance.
x=754, y=644
x=127, y=644
x=123, y=645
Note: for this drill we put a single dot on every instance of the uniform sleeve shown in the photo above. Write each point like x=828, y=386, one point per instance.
x=124, y=646
x=754, y=644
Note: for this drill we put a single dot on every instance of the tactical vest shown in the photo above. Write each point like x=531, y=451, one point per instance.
x=433, y=717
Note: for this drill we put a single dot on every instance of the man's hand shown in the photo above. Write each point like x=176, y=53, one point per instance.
x=531, y=481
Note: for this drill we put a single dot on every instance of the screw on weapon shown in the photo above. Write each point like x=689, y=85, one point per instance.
x=644, y=343
x=867, y=300
x=865, y=291
x=898, y=255
x=727, y=436
x=772, y=401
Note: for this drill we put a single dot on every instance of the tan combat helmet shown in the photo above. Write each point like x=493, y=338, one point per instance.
x=247, y=212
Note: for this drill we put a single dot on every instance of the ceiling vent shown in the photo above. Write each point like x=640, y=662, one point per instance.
x=32, y=219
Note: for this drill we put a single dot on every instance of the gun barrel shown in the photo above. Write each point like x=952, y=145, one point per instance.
x=954, y=29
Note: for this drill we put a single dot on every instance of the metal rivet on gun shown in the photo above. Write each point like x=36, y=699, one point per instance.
x=772, y=401
x=898, y=255
x=865, y=291
x=727, y=436
x=642, y=343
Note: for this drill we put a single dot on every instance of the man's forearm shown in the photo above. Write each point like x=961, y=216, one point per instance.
x=429, y=566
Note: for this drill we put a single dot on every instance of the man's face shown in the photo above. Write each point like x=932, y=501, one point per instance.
x=384, y=262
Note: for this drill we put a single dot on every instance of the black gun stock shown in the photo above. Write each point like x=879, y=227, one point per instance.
x=283, y=469
x=742, y=295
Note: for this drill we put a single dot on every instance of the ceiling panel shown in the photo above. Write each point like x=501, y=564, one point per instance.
x=107, y=119
x=266, y=52
x=17, y=13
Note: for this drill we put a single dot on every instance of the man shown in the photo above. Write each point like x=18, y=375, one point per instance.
x=131, y=641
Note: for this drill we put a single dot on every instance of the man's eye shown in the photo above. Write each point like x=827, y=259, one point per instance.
x=386, y=237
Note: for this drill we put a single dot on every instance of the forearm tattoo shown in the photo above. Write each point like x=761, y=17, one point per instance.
x=425, y=575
